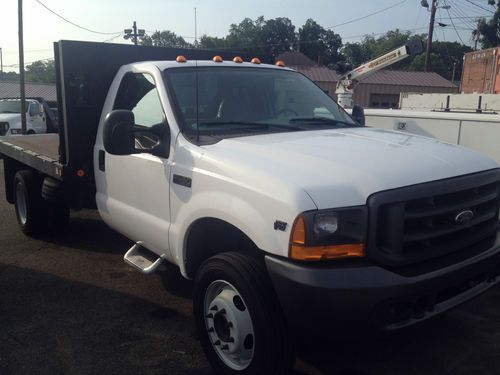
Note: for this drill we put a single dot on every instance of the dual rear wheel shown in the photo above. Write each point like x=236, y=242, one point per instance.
x=36, y=215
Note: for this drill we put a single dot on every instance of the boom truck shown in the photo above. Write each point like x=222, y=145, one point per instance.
x=348, y=81
x=291, y=218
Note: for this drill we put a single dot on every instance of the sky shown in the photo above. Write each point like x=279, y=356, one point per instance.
x=42, y=28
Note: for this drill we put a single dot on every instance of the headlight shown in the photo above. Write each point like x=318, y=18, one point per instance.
x=15, y=131
x=329, y=234
x=325, y=225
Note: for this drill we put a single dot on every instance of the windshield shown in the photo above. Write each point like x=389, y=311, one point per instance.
x=10, y=106
x=243, y=101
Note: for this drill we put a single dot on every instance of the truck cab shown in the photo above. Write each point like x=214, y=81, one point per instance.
x=291, y=218
x=10, y=117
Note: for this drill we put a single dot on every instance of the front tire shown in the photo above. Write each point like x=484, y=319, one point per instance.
x=238, y=318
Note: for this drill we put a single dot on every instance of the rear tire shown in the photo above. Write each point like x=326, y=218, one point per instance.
x=238, y=318
x=29, y=205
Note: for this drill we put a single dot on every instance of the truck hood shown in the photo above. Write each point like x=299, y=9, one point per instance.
x=10, y=117
x=343, y=167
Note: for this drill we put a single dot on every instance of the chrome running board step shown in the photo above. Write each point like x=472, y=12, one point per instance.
x=136, y=258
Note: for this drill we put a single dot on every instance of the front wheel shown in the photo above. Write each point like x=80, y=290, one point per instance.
x=238, y=317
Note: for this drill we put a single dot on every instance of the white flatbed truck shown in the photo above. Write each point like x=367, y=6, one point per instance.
x=292, y=219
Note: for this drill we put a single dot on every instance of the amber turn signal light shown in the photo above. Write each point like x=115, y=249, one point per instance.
x=314, y=253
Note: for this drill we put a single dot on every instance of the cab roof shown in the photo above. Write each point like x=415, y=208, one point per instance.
x=162, y=65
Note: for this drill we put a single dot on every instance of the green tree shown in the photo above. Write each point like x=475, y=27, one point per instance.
x=278, y=35
x=9, y=76
x=437, y=63
x=259, y=36
x=212, y=42
x=356, y=53
x=489, y=30
x=247, y=35
x=165, y=38
x=41, y=72
x=318, y=43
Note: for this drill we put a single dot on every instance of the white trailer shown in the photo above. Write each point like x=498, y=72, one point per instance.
x=478, y=131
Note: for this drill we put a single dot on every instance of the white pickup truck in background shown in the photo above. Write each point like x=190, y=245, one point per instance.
x=291, y=218
x=10, y=117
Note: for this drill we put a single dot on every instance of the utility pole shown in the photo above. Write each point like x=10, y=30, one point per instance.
x=429, y=36
x=134, y=34
x=195, y=30
x=1, y=64
x=21, y=66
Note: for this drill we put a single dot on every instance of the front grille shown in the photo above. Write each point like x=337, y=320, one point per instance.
x=423, y=222
x=4, y=127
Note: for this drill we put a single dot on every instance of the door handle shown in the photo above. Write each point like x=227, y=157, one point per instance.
x=102, y=160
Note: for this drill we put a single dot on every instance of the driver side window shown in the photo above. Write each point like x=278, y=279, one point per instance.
x=138, y=93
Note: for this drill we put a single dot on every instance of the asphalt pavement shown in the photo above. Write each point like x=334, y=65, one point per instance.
x=70, y=305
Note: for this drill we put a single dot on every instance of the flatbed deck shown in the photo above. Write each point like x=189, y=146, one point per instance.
x=40, y=152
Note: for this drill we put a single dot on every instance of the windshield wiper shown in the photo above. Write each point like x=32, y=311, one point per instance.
x=251, y=124
x=321, y=120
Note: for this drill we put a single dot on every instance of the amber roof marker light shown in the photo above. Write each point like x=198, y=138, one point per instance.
x=180, y=59
x=217, y=59
x=237, y=60
x=280, y=63
x=255, y=60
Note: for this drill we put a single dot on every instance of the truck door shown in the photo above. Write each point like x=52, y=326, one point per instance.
x=133, y=190
x=37, y=118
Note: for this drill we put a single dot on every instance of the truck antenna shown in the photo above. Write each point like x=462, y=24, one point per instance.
x=197, y=108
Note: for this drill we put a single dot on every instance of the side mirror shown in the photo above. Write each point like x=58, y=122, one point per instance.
x=162, y=131
x=118, y=132
x=358, y=114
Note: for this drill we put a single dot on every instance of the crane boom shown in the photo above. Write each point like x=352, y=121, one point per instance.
x=347, y=83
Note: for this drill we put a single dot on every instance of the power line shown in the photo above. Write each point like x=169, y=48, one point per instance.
x=113, y=38
x=368, y=15
x=456, y=10
x=479, y=6
x=72, y=23
x=453, y=24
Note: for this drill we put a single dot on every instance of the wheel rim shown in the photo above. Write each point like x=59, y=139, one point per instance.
x=21, y=205
x=229, y=325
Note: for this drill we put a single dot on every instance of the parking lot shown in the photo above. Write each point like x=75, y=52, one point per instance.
x=70, y=305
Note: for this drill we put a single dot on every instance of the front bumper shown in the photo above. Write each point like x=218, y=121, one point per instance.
x=319, y=299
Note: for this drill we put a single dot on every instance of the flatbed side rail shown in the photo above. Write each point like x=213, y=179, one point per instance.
x=30, y=158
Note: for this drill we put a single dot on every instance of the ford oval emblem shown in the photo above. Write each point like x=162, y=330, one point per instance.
x=464, y=217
